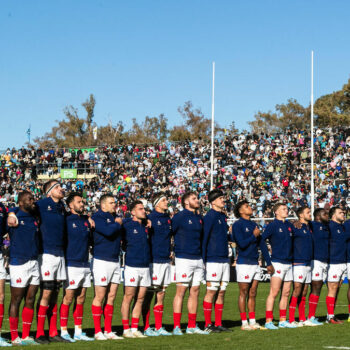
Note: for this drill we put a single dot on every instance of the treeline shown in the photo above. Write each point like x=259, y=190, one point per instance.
x=82, y=131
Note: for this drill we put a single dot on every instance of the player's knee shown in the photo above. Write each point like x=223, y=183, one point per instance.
x=252, y=293
x=81, y=299
x=223, y=286
x=213, y=286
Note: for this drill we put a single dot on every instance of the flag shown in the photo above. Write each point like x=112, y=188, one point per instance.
x=94, y=132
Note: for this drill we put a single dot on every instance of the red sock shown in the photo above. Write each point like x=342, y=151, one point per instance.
x=207, y=307
x=269, y=315
x=158, y=316
x=349, y=308
x=192, y=320
x=177, y=319
x=27, y=319
x=243, y=316
x=78, y=314
x=125, y=324
x=146, y=319
x=251, y=315
x=134, y=322
x=41, y=321
x=301, y=309
x=330, y=305
x=292, y=306
x=283, y=313
x=313, y=300
x=52, y=317
x=1, y=315
x=218, y=314
x=108, y=314
x=96, y=315
x=64, y=312
x=14, y=327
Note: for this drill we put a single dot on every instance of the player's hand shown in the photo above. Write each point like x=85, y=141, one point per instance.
x=119, y=221
x=298, y=224
x=270, y=270
x=149, y=223
x=92, y=223
x=230, y=229
x=12, y=221
x=256, y=232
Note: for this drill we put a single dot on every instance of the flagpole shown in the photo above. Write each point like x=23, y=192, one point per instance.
x=212, y=133
x=312, y=137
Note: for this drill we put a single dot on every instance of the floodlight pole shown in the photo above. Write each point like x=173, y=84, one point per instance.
x=212, y=133
x=312, y=138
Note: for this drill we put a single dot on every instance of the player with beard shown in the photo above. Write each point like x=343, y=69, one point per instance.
x=24, y=267
x=189, y=269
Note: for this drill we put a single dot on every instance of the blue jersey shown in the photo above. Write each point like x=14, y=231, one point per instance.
x=24, y=238
x=302, y=245
x=52, y=226
x=79, y=237
x=160, y=234
x=347, y=231
x=107, y=237
x=280, y=235
x=215, y=237
x=248, y=244
x=338, y=243
x=3, y=219
x=320, y=235
x=136, y=243
x=188, y=234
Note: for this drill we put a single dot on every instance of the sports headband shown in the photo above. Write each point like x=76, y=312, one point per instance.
x=52, y=187
x=158, y=200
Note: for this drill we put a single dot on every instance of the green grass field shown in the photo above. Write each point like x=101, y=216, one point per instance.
x=323, y=337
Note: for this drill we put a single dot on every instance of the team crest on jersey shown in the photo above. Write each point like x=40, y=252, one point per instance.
x=246, y=229
x=200, y=221
x=22, y=222
x=108, y=221
x=189, y=222
x=49, y=207
x=219, y=221
x=321, y=228
x=74, y=225
x=135, y=231
x=305, y=232
x=289, y=229
x=86, y=224
x=338, y=231
x=169, y=221
x=159, y=223
x=280, y=230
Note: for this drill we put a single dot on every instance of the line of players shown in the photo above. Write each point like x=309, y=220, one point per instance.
x=200, y=244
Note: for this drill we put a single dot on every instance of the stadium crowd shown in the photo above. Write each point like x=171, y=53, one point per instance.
x=260, y=167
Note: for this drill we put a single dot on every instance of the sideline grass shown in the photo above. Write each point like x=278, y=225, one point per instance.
x=301, y=338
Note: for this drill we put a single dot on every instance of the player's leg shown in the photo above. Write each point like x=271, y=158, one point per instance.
x=78, y=316
x=287, y=285
x=212, y=290
x=252, y=303
x=28, y=312
x=96, y=308
x=335, y=273
x=17, y=295
x=275, y=287
x=52, y=312
x=2, y=299
x=159, y=308
x=178, y=303
x=137, y=309
x=219, y=307
x=314, y=296
x=192, y=305
x=297, y=290
x=43, y=305
x=302, y=302
x=146, y=307
x=129, y=294
x=242, y=303
x=68, y=298
x=108, y=311
x=330, y=299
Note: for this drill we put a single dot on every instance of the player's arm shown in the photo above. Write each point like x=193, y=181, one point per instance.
x=242, y=239
x=105, y=228
x=207, y=228
x=265, y=252
x=175, y=224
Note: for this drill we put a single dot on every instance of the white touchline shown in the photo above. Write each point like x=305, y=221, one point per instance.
x=337, y=347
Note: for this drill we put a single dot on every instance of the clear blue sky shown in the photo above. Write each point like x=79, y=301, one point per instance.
x=148, y=57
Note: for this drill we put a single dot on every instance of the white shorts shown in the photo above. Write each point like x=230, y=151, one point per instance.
x=22, y=276
x=137, y=277
x=319, y=270
x=302, y=274
x=246, y=273
x=160, y=274
x=283, y=271
x=3, y=273
x=189, y=271
x=105, y=272
x=217, y=272
x=52, y=267
x=336, y=272
x=348, y=271
x=78, y=277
